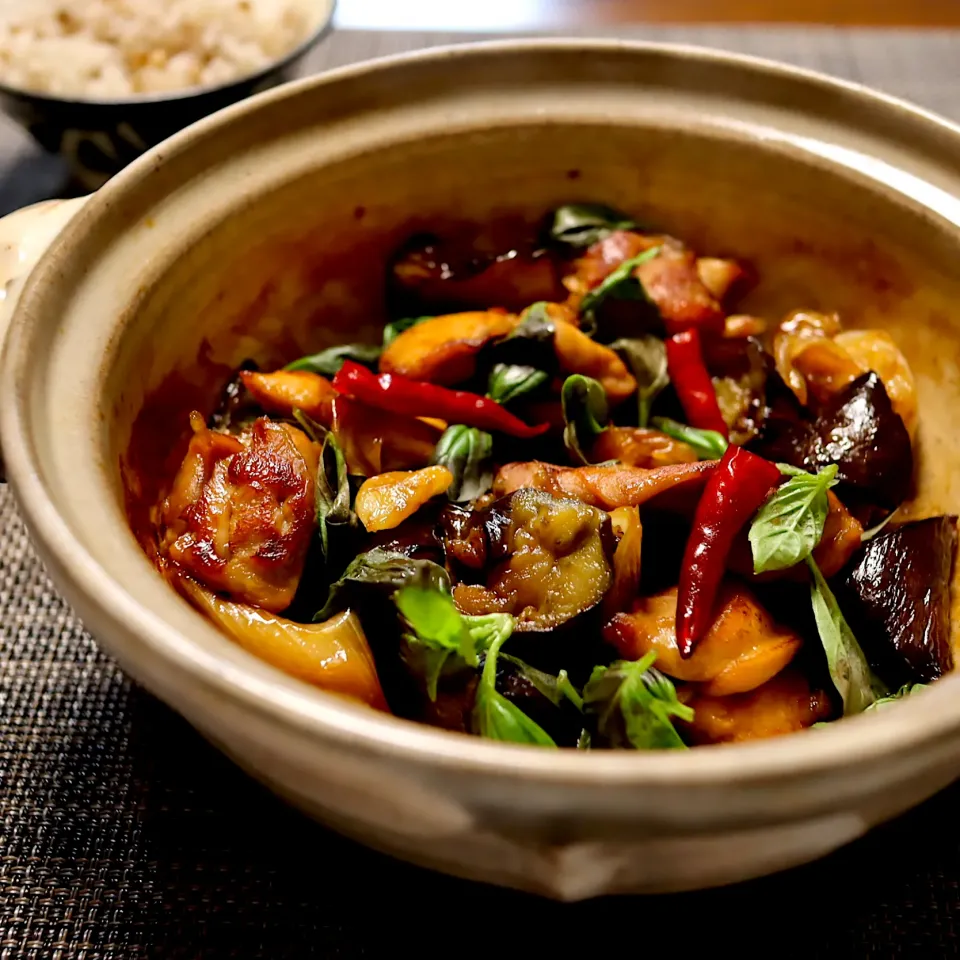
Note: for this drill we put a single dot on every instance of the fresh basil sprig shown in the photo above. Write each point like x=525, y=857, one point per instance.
x=580, y=225
x=646, y=356
x=585, y=412
x=635, y=704
x=849, y=670
x=437, y=631
x=707, y=444
x=788, y=527
x=393, y=330
x=497, y=718
x=466, y=452
x=620, y=284
x=328, y=362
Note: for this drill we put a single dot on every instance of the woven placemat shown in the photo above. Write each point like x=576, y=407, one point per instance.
x=123, y=834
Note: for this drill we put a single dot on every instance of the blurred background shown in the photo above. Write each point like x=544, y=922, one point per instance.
x=559, y=14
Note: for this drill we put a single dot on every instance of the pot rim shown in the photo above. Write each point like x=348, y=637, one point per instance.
x=927, y=719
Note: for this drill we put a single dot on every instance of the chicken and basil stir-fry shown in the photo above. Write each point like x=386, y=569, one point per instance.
x=573, y=498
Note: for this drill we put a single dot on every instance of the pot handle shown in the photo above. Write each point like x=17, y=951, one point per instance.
x=25, y=235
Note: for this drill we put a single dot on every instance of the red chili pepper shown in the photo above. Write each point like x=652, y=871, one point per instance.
x=690, y=378
x=738, y=486
x=416, y=399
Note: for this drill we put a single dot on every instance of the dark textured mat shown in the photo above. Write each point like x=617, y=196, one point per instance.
x=122, y=834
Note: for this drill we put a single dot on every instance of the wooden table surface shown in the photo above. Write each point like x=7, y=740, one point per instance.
x=535, y=14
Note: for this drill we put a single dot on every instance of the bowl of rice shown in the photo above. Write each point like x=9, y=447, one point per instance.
x=102, y=81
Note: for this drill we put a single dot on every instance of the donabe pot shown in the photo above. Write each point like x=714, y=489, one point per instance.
x=264, y=232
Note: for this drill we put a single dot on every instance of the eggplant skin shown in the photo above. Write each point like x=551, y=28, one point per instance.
x=858, y=430
x=895, y=594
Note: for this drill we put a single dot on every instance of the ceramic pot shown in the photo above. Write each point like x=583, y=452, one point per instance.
x=264, y=232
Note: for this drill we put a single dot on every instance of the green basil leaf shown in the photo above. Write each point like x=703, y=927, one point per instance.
x=585, y=412
x=583, y=741
x=848, y=666
x=907, y=690
x=332, y=500
x=707, y=444
x=646, y=356
x=788, y=527
x=634, y=705
x=437, y=636
x=495, y=717
x=328, y=362
x=555, y=688
x=509, y=381
x=383, y=571
x=435, y=620
x=620, y=284
x=393, y=330
x=580, y=225
x=466, y=452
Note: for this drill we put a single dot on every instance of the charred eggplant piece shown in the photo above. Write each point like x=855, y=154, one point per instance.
x=856, y=429
x=895, y=593
x=548, y=562
x=236, y=405
x=740, y=370
x=418, y=537
x=434, y=276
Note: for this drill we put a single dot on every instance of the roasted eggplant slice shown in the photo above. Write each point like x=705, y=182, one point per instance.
x=856, y=429
x=547, y=561
x=895, y=593
x=236, y=406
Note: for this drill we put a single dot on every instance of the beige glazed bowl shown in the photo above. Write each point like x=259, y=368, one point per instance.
x=264, y=231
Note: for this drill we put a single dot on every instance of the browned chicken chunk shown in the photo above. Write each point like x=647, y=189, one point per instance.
x=240, y=514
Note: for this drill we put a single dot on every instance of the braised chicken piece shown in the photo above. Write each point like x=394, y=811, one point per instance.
x=577, y=353
x=444, y=349
x=285, y=391
x=608, y=487
x=743, y=649
x=785, y=704
x=239, y=516
x=640, y=447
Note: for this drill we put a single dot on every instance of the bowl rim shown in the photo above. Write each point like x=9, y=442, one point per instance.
x=323, y=28
x=274, y=698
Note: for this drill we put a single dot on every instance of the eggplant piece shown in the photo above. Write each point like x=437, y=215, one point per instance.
x=895, y=594
x=547, y=561
x=236, y=405
x=418, y=537
x=740, y=370
x=434, y=276
x=858, y=430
